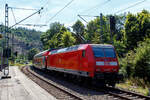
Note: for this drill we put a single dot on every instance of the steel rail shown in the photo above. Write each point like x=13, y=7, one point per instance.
x=59, y=88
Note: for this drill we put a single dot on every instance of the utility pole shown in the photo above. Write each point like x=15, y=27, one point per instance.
x=101, y=27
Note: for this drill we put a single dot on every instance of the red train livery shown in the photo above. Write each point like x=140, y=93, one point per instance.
x=94, y=61
x=40, y=59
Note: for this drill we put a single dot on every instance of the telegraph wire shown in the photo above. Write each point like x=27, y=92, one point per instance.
x=60, y=10
x=131, y=6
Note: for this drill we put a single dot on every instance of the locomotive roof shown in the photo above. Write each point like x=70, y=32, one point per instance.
x=103, y=45
x=41, y=53
x=79, y=47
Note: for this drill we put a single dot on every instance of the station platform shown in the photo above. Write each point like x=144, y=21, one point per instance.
x=20, y=87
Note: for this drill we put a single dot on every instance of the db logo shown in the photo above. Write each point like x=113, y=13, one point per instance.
x=106, y=63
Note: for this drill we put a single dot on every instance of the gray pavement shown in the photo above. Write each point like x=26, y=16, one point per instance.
x=20, y=87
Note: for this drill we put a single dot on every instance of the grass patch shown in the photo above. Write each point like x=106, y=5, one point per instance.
x=19, y=65
x=136, y=85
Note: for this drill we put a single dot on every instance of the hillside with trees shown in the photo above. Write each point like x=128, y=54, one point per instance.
x=22, y=41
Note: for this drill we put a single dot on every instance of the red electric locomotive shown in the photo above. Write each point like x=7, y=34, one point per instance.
x=93, y=61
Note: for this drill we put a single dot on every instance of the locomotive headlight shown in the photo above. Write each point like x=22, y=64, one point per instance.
x=114, y=70
x=114, y=63
x=100, y=63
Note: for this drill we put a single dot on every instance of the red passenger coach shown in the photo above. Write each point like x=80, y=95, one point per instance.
x=40, y=59
x=94, y=61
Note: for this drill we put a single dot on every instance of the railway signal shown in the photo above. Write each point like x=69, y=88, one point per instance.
x=112, y=23
x=16, y=53
x=7, y=52
x=1, y=36
x=112, y=27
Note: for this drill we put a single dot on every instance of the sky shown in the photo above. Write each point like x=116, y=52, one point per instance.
x=68, y=16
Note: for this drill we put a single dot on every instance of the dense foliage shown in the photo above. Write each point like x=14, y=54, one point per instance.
x=31, y=53
x=137, y=26
x=137, y=62
x=24, y=37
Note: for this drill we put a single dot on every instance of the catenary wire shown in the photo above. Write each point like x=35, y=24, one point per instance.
x=60, y=11
x=102, y=4
x=130, y=6
x=13, y=15
x=22, y=8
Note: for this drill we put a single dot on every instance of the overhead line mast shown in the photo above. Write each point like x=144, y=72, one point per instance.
x=6, y=49
x=22, y=8
x=27, y=17
x=101, y=23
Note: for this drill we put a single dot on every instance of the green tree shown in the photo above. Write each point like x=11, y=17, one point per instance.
x=144, y=23
x=132, y=31
x=96, y=33
x=137, y=27
x=31, y=53
x=67, y=39
x=119, y=33
x=55, y=28
x=137, y=62
x=92, y=27
x=142, y=60
x=54, y=42
x=78, y=27
x=52, y=37
x=79, y=30
x=120, y=47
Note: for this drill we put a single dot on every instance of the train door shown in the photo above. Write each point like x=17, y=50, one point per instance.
x=44, y=64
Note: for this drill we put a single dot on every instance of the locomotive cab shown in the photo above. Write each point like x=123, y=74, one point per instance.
x=105, y=59
x=106, y=63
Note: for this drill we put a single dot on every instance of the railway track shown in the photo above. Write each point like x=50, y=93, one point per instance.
x=66, y=95
x=116, y=94
x=126, y=95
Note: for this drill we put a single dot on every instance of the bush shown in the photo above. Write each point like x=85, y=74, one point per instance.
x=142, y=60
x=126, y=64
x=137, y=62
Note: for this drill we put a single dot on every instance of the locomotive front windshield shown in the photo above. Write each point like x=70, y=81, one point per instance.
x=103, y=52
